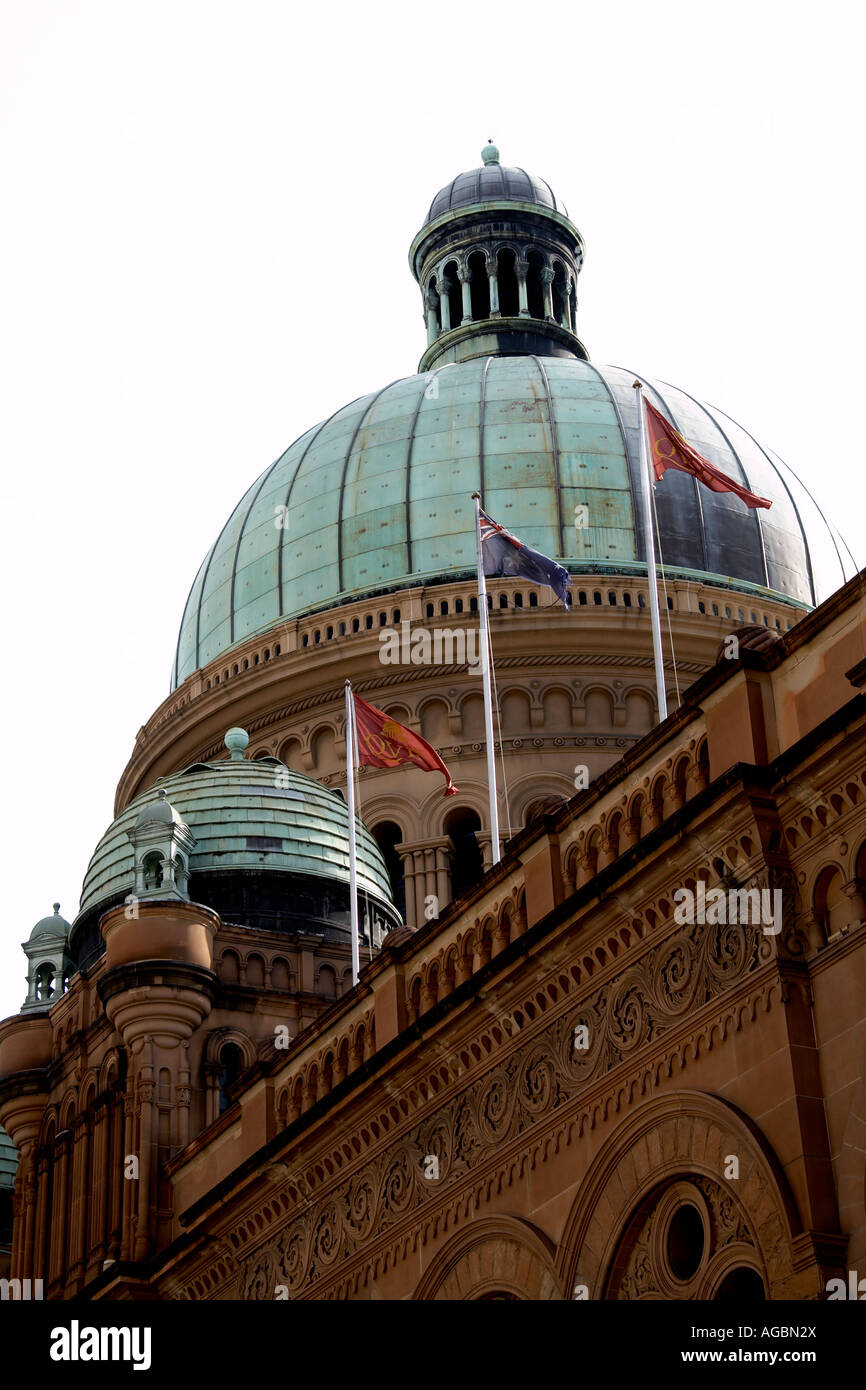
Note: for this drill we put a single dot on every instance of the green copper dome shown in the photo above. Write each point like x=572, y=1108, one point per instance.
x=251, y=816
x=379, y=496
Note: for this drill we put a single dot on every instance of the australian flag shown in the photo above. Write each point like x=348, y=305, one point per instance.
x=506, y=557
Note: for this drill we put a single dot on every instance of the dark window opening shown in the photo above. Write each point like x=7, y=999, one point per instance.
x=534, y=287
x=467, y=864
x=455, y=293
x=685, y=1241
x=509, y=300
x=387, y=836
x=479, y=286
x=231, y=1066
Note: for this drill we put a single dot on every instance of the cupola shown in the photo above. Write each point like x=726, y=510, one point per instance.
x=50, y=964
x=162, y=844
x=497, y=261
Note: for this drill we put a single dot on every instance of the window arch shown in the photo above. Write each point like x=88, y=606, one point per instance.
x=534, y=287
x=388, y=836
x=231, y=1063
x=509, y=299
x=454, y=292
x=479, y=285
x=467, y=864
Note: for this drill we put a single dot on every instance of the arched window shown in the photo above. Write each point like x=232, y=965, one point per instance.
x=509, y=300
x=327, y=982
x=387, y=836
x=455, y=293
x=479, y=286
x=231, y=1066
x=467, y=865
x=534, y=287
x=44, y=981
x=152, y=866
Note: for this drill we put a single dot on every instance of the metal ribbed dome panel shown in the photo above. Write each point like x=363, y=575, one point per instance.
x=228, y=806
x=378, y=495
x=493, y=183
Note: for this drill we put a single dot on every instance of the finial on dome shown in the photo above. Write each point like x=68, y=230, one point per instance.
x=236, y=741
x=162, y=793
x=56, y=907
x=490, y=153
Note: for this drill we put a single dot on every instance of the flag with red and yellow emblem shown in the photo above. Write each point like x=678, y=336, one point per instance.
x=668, y=449
x=382, y=742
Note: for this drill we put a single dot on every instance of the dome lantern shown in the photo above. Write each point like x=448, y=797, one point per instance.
x=50, y=963
x=162, y=844
x=497, y=261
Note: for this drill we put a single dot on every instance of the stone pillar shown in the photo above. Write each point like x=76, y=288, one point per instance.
x=78, y=1207
x=57, y=1261
x=431, y=301
x=522, y=268
x=117, y=1121
x=547, y=282
x=43, y=1181
x=443, y=872
x=569, y=322
x=485, y=844
x=26, y=1177
x=127, y=1186
x=445, y=305
x=147, y=1139
x=464, y=275
x=95, y=1245
x=408, y=860
x=493, y=278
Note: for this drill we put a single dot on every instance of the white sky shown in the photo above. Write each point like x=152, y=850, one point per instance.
x=207, y=209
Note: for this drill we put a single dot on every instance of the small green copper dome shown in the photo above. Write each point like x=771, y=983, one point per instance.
x=379, y=495
x=159, y=812
x=245, y=815
x=51, y=926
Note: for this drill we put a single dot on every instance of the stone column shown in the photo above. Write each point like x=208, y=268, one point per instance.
x=464, y=275
x=443, y=872
x=445, y=305
x=115, y=1182
x=40, y=1263
x=57, y=1261
x=485, y=844
x=78, y=1214
x=569, y=323
x=95, y=1245
x=408, y=860
x=127, y=1186
x=493, y=278
x=146, y=1156
x=27, y=1210
x=522, y=269
x=431, y=301
x=547, y=281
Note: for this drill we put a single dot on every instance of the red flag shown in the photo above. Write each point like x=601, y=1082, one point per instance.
x=669, y=450
x=382, y=742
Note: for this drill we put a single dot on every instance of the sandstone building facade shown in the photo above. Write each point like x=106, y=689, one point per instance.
x=548, y=1082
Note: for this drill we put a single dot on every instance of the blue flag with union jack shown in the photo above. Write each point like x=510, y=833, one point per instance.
x=506, y=557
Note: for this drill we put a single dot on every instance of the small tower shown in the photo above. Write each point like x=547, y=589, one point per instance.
x=162, y=843
x=497, y=261
x=50, y=962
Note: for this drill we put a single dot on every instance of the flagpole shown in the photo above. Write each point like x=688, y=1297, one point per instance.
x=351, y=764
x=488, y=698
x=650, y=546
